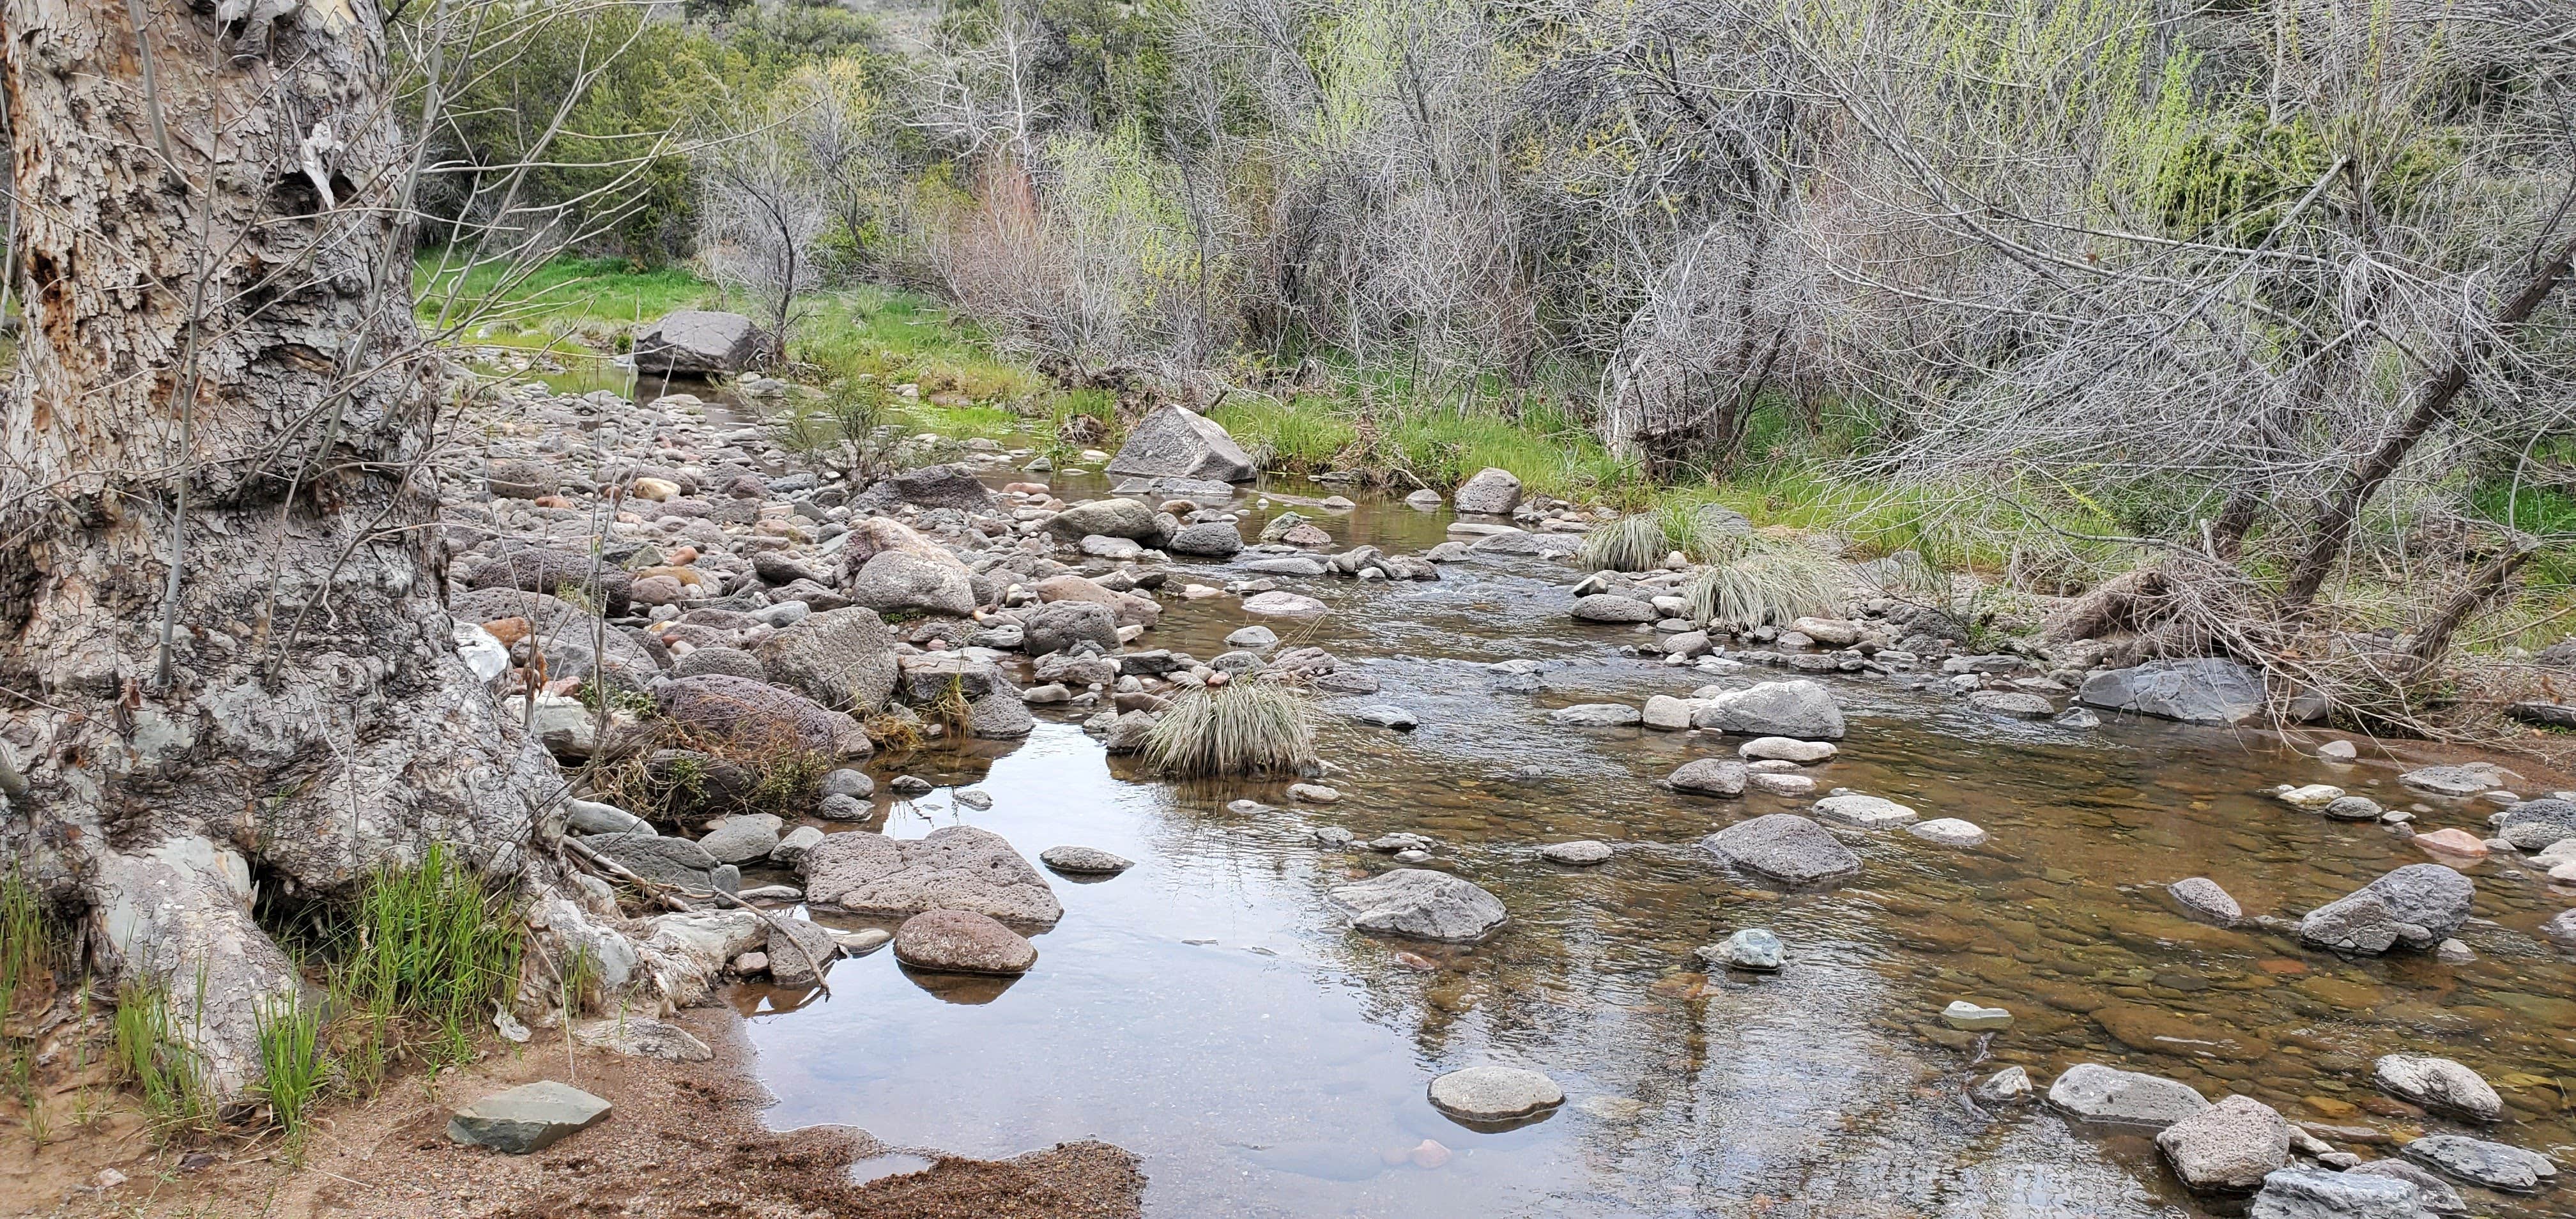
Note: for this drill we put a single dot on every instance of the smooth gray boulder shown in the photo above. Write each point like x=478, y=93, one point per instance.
x=1709, y=777
x=1111, y=518
x=901, y=580
x=842, y=659
x=1490, y=491
x=1784, y=847
x=593, y=817
x=1084, y=861
x=2202, y=690
x=530, y=1117
x=1802, y=710
x=2438, y=1084
x=2535, y=824
x=697, y=342
x=2480, y=1162
x=1058, y=625
x=1494, y=1094
x=1178, y=441
x=2228, y=1147
x=2105, y=1094
x=955, y=868
x=1613, y=609
x=2315, y=1193
x=742, y=838
x=1422, y=904
x=2416, y=906
x=1207, y=539
x=2202, y=896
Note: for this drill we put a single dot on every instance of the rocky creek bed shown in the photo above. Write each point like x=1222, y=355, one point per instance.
x=1210, y=1009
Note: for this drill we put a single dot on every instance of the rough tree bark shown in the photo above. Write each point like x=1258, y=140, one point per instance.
x=219, y=373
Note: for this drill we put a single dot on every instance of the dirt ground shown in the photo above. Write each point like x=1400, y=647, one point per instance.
x=684, y=1139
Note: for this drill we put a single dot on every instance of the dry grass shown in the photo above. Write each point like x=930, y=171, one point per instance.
x=1247, y=727
x=1769, y=587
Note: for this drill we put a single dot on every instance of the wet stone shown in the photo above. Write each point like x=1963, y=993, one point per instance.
x=1784, y=847
x=2106, y=1094
x=2456, y=781
x=1949, y=832
x=2480, y=1162
x=1084, y=861
x=1754, y=948
x=1422, y=904
x=2315, y=1193
x=1494, y=1094
x=2353, y=808
x=1581, y=852
x=2438, y=1084
x=2010, y=1086
x=1709, y=777
x=960, y=941
x=2437, y=1194
x=1865, y=812
x=1387, y=715
x=1962, y=1014
x=2203, y=897
x=2228, y=1147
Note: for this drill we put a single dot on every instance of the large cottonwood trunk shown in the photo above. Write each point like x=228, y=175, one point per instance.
x=219, y=374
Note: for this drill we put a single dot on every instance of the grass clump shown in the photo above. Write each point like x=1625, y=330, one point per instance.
x=426, y=950
x=149, y=1054
x=1767, y=587
x=294, y=1068
x=1249, y=726
x=1637, y=542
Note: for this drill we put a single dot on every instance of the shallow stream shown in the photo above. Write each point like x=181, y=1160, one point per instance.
x=1207, y=1011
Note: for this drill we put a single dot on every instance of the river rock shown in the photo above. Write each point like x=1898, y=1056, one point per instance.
x=999, y=716
x=2312, y=797
x=742, y=838
x=805, y=955
x=1865, y=812
x=1786, y=749
x=1709, y=777
x=1753, y=948
x=1115, y=518
x=2202, y=896
x=1281, y=604
x=2315, y=1193
x=1667, y=713
x=732, y=662
x=1579, y=853
x=669, y=861
x=944, y=486
x=1803, y=710
x=2204, y=690
x=2459, y=782
x=1494, y=1094
x=1594, y=715
x=2353, y=808
x=1491, y=492
x=1207, y=539
x=1058, y=625
x=962, y=941
x=1181, y=442
x=2416, y=906
x=1423, y=904
x=696, y=343
x=1254, y=638
x=954, y=868
x=530, y=1117
x=847, y=782
x=641, y=1037
x=2010, y=1086
x=1779, y=784
x=2437, y=1194
x=545, y=570
x=842, y=659
x=2536, y=824
x=2105, y=1094
x=2480, y=1162
x=1084, y=861
x=593, y=817
x=2014, y=703
x=2438, y=1084
x=792, y=847
x=1784, y=847
x=2228, y=1147
x=1973, y=1018
x=1947, y=831
x=902, y=580
x=1386, y=715
x=760, y=716
x=1612, y=608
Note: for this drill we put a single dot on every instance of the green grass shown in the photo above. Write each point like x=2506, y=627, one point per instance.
x=294, y=1068
x=1769, y=587
x=1245, y=727
x=150, y=1055
x=598, y=293
x=1407, y=442
x=430, y=943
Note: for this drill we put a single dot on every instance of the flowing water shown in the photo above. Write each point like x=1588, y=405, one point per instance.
x=1206, y=1010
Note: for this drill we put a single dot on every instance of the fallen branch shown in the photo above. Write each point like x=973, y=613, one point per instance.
x=656, y=890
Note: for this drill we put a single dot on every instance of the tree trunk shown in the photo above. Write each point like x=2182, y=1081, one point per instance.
x=213, y=470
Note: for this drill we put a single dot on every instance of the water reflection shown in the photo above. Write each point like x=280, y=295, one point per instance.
x=1205, y=1009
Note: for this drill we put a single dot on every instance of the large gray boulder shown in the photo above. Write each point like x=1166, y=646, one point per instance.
x=2228, y=1147
x=1785, y=847
x=1058, y=625
x=1110, y=518
x=756, y=716
x=1179, y=441
x=1492, y=492
x=1423, y=904
x=2315, y=1193
x=2201, y=690
x=2534, y=824
x=843, y=659
x=2416, y=906
x=530, y=1117
x=2098, y=1093
x=956, y=868
x=1802, y=709
x=696, y=342
x=902, y=580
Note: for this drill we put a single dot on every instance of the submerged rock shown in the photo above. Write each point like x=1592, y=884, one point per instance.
x=2202, y=896
x=2455, y=781
x=1084, y=861
x=1594, y=715
x=2480, y=1162
x=2315, y=1193
x=1423, y=904
x=2416, y=906
x=1585, y=851
x=1784, y=847
x=1386, y=715
x=1864, y=812
x=1494, y=1094
x=1753, y=948
x=1948, y=831
x=2229, y=1147
x=530, y=1117
x=2105, y=1094
x=1709, y=777
x=1786, y=749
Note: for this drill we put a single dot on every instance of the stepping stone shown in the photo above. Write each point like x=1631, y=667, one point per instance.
x=1585, y=851
x=1866, y=812
x=2480, y=1162
x=1949, y=832
x=530, y=1117
x=1084, y=861
x=1494, y=1094
x=1753, y=948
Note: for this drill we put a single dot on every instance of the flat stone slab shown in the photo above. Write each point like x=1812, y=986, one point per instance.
x=2455, y=781
x=1785, y=847
x=1949, y=832
x=1084, y=861
x=1494, y=1094
x=2480, y=1162
x=959, y=941
x=1786, y=749
x=2131, y=1098
x=2438, y=1084
x=1423, y=904
x=1962, y=1014
x=640, y=1037
x=530, y=1117
x=1595, y=715
x=1387, y=715
x=1585, y=851
x=956, y=868
x=2315, y=1193
x=1865, y=812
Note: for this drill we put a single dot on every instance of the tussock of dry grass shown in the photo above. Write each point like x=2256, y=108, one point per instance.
x=1247, y=727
